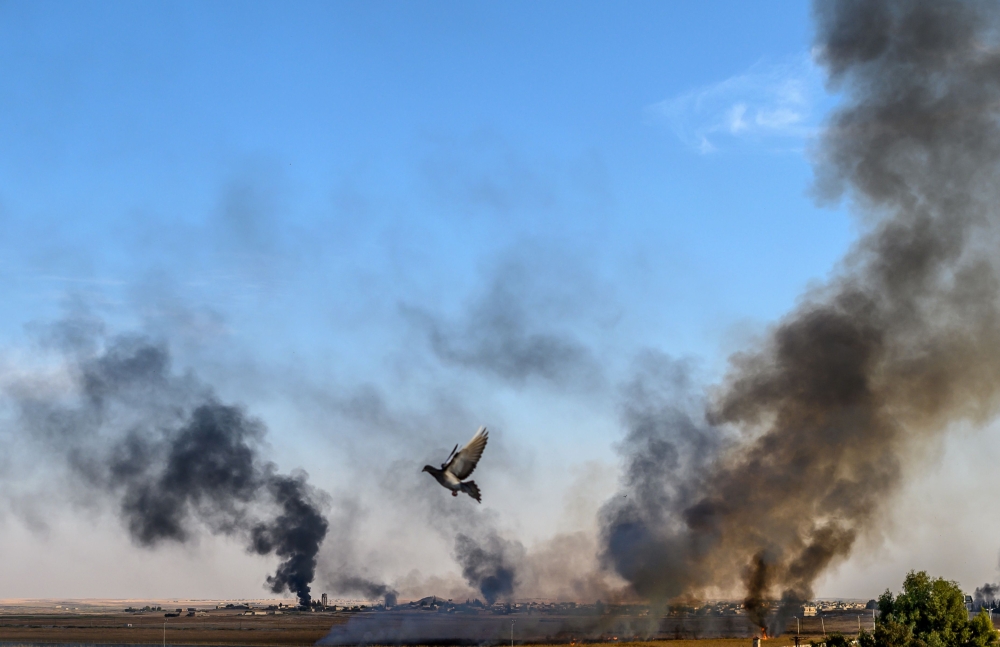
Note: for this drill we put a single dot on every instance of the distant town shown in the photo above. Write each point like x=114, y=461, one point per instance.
x=475, y=605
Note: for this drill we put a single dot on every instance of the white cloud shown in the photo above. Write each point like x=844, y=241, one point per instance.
x=736, y=122
x=777, y=105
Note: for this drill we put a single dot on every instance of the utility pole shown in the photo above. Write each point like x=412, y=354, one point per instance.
x=859, y=625
x=823, y=624
x=164, y=633
x=512, y=632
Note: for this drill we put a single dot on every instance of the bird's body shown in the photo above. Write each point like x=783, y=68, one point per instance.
x=460, y=465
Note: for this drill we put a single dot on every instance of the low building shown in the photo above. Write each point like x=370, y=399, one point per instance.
x=808, y=610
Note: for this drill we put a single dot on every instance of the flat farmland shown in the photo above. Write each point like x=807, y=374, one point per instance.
x=149, y=629
x=429, y=628
x=228, y=627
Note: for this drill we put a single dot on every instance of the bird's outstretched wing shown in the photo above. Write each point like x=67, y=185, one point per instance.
x=454, y=449
x=462, y=463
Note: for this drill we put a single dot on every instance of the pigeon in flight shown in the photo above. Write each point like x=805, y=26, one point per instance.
x=460, y=465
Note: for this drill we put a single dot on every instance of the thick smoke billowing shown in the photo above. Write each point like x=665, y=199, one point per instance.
x=172, y=456
x=813, y=428
x=760, y=485
x=986, y=596
x=294, y=535
x=489, y=564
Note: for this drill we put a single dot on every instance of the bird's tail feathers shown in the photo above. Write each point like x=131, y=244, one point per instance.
x=470, y=488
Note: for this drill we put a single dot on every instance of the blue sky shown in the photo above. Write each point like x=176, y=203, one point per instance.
x=291, y=161
x=300, y=198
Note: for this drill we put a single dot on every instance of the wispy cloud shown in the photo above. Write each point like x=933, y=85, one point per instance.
x=773, y=104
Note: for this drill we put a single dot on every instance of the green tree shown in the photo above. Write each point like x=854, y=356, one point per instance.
x=892, y=634
x=929, y=613
x=981, y=632
x=837, y=640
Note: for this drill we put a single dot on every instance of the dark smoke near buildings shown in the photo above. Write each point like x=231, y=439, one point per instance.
x=794, y=451
x=173, y=458
x=363, y=586
x=986, y=596
x=489, y=564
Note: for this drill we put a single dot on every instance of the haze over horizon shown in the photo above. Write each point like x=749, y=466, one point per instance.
x=356, y=232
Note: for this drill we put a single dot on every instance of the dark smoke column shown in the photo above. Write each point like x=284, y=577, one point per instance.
x=174, y=460
x=870, y=369
x=489, y=564
x=295, y=535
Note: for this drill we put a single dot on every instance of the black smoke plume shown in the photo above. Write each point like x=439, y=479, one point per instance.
x=294, y=535
x=756, y=603
x=489, y=564
x=986, y=596
x=173, y=458
x=363, y=586
x=811, y=430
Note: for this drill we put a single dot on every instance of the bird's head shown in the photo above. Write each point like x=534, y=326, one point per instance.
x=427, y=468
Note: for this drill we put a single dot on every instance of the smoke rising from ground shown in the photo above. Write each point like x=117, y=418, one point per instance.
x=809, y=431
x=761, y=484
x=172, y=457
x=490, y=565
x=343, y=569
x=986, y=596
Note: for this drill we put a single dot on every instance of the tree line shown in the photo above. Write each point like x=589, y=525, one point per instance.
x=927, y=613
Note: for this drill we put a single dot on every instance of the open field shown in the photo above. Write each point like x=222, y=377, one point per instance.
x=218, y=628
x=415, y=628
x=76, y=623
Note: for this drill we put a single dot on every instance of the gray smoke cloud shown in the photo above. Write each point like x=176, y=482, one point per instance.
x=359, y=585
x=812, y=429
x=342, y=568
x=173, y=458
x=509, y=333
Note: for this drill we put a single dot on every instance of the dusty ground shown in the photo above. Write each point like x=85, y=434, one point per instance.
x=97, y=624
x=416, y=627
x=218, y=628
